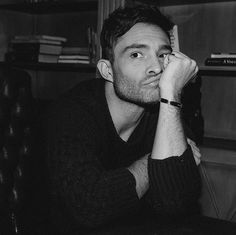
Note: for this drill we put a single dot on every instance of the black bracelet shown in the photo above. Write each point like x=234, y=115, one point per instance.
x=173, y=103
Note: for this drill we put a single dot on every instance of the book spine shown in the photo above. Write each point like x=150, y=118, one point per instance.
x=83, y=57
x=46, y=37
x=24, y=46
x=223, y=55
x=43, y=41
x=73, y=61
x=220, y=61
x=92, y=42
x=75, y=51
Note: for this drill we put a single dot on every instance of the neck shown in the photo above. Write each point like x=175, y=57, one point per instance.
x=125, y=115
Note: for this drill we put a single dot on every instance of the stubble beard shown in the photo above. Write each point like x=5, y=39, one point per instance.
x=130, y=92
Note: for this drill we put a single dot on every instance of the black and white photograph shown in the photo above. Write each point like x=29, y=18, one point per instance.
x=117, y=117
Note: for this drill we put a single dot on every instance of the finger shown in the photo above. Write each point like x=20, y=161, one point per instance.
x=170, y=58
x=191, y=142
x=195, y=148
x=197, y=154
x=197, y=161
x=166, y=61
x=179, y=54
x=194, y=78
x=197, y=157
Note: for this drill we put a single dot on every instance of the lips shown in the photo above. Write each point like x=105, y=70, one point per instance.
x=151, y=82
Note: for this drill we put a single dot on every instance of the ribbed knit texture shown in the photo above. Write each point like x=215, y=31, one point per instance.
x=87, y=160
x=174, y=184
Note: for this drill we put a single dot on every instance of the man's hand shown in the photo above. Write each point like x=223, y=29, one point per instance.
x=140, y=173
x=178, y=71
x=196, y=151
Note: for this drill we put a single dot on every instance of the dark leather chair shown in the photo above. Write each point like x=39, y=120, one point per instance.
x=16, y=141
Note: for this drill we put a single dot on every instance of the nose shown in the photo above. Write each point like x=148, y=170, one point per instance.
x=154, y=67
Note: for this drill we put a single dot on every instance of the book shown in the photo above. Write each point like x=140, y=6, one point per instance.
x=29, y=57
x=92, y=44
x=75, y=51
x=42, y=41
x=75, y=61
x=71, y=57
x=220, y=61
x=223, y=55
x=28, y=47
x=40, y=37
x=174, y=38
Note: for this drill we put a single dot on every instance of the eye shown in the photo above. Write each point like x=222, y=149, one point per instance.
x=163, y=55
x=136, y=55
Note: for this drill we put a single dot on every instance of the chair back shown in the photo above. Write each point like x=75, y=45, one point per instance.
x=16, y=116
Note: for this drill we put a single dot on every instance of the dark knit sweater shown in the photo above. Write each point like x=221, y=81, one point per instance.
x=89, y=182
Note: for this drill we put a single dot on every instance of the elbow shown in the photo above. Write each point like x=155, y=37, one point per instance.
x=94, y=217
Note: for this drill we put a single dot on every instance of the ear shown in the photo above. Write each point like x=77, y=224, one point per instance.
x=105, y=69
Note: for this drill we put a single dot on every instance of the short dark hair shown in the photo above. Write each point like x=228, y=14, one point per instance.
x=123, y=19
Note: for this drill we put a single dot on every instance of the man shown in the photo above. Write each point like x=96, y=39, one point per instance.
x=116, y=147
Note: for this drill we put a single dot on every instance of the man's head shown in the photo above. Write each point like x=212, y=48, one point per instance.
x=123, y=19
x=135, y=42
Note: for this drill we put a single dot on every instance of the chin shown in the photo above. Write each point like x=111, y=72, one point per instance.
x=147, y=101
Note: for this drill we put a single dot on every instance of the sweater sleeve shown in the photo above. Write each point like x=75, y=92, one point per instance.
x=86, y=192
x=174, y=184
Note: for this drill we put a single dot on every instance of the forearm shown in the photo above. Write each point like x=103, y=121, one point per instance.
x=170, y=138
x=174, y=178
x=95, y=198
x=174, y=184
x=170, y=141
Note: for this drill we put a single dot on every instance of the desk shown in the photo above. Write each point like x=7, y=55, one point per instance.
x=192, y=226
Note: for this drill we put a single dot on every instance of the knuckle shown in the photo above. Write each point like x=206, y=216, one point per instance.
x=194, y=63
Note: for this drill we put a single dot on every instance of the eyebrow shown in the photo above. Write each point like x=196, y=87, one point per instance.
x=141, y=46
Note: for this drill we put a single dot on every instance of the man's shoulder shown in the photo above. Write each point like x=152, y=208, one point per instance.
x=81, y=99
x=84, y=94
x=86, y=89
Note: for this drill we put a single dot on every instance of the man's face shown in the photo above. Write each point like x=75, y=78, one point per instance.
x=138, y=63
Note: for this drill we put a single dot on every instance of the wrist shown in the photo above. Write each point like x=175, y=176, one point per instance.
x=170, y=95
x=171, y=102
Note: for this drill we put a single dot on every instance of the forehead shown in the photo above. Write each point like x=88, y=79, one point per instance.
x=143, y=33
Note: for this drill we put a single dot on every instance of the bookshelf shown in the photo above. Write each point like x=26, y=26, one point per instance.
x=49, y=8
x=52, y=7
x=66, y=18
x=178, y=2
x=69, y=19
x=219, y=143
x=83, y=68
x=217, y=70
x=205, y=21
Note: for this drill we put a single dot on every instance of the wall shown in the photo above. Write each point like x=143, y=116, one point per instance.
x=206, y=28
